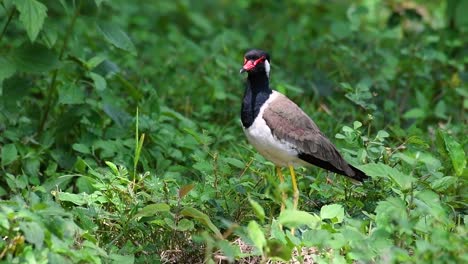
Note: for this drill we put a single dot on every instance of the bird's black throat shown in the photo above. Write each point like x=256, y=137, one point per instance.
x=257, y=91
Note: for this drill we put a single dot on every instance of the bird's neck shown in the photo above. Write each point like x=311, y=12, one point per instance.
x=257, y=91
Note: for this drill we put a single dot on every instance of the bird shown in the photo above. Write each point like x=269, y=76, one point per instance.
x=281, y=131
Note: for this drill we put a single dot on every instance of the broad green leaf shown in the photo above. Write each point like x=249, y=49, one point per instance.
x=385, y=171
x=406, y=158
x=332, y=211
x=295, y=218
x=9, y=154
x=315, y=237
x=382, y=134
x=235, y=162
x=122, y=259
x=153, y=209
x=31, y=167
x=99, y=82
x=389, y=210
x=417, y=141
x=444, y=183
x=256, y=235
x=117, y=37
x=415, y=113
x=82, y=148
x=78, y=199
x=456, y=153
x=277, y=232
x=119, y=116
x=7, y=69
x=202, y=218
x=340, y=29
x=357, y=124
x=33, y=233
x=258, y=209
x=35, y=58
x=71, y=94
x=185, y=225
x=32, y=15
x=4, y=222
x=94, y=62
x=170, y=222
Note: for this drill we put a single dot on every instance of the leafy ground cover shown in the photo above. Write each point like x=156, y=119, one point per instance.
x=121, y=141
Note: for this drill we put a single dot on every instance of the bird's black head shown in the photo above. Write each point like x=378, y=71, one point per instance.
x=256, y=61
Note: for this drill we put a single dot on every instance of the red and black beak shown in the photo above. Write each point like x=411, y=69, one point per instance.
x=251, y=64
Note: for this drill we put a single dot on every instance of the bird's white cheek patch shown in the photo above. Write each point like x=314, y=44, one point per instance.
x=267, y=68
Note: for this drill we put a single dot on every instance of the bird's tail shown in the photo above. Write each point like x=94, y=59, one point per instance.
x=358, y=174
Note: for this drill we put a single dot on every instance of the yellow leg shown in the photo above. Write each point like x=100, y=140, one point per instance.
x=295, y=191
x=283, y=194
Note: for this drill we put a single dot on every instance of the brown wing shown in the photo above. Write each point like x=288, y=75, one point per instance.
x=292, y=125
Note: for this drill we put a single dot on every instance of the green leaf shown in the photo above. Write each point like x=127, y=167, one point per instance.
x=7, y=69
x=71, y=94
x=276, y=231
x=456, y=153
x=382, y=134
x=113, y=167
x=315, y=237
x=99, y=82
x=94, y=62
x=444, y=183
x=357, y=124
x=295, y=218
x=185, y=225
x=4, y=222
x=32, y=15
x=33, y=233
x=9, y=154
x=332, y=211
x=258, y=209
x=82, y=148
x=34, y=58
x=340, y=29
x=153, y=209
x=389, y=210
x=202, y=218
x=115, y=36
x=235, y=162
x=122, y=259
x=256, y=235
x=385, y=171
x=415, y=113
x=417, y=141
x=78, y=199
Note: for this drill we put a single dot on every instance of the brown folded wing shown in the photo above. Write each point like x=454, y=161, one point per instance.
x=290, y=124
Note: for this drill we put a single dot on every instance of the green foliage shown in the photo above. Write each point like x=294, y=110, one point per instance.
x=120, y=140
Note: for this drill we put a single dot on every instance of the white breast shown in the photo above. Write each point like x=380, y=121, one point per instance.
x=277, y=151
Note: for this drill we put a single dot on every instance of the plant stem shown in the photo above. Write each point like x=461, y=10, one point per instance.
x=10, y=17
x=53, y=84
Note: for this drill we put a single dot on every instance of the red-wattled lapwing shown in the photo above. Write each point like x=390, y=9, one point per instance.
x=281, y=131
